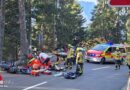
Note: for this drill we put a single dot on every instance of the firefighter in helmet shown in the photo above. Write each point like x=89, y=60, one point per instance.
x=117, y=58
x=128, y=60
x=79, y=61
x=70, y=56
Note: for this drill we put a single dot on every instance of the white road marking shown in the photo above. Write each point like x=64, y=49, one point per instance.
x=53, y=88
x=101, y=68
x=35, y=85
x=3, y=86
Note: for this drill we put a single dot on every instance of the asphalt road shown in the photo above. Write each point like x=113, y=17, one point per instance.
x=95, y=77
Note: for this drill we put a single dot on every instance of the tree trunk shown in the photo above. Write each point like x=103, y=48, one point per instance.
x=29, y=22
x=23, y=33
x=54, y=30
x=2, y=26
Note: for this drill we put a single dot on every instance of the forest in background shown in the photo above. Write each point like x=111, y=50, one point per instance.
x=55, y=23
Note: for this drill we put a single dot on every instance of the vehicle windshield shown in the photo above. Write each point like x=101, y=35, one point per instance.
x=100, y=47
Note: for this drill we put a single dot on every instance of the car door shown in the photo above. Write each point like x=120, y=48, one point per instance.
x=108, y=53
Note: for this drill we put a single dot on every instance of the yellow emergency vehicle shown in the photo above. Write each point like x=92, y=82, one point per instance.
x=103, y=53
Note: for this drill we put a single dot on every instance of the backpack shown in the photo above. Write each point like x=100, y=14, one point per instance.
x=70, y=75
x=24, y=70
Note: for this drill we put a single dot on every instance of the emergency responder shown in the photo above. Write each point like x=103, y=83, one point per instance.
x=117, y=58
x=30, y=58
x=45, y=59
x=79, y=62
x=70, y=56
x=33, y=63
x=128, y=60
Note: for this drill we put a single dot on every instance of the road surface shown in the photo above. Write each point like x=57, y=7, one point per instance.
x=95, y=77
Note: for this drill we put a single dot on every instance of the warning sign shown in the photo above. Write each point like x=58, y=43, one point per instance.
x=120, y=3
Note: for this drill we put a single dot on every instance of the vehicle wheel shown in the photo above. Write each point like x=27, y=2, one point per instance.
x=102, y=61
x=88, y=61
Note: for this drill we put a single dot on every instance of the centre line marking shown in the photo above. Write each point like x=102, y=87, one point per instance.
x=100, y=68
x=35, y=85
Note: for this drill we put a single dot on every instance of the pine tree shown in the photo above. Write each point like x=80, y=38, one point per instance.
x=23, y=33
x=2, y=26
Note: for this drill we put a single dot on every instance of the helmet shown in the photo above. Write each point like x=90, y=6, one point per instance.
x=70, y=75
x=79, y=49
x=35, y=49
x=30, y=56
x=69, y=45
x=117, y=48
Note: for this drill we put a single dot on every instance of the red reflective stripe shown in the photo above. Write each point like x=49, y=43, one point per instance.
x=119, y=2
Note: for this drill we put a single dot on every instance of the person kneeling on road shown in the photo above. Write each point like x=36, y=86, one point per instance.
x=45, y=60
x=79, y=62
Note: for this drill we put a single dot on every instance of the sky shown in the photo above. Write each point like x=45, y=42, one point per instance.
x=88, y=6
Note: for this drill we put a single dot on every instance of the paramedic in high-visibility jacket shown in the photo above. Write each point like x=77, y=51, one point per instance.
x=79, y=62
x=128, y=60
x=33, y=63
x=117, y=58
x=70, y=57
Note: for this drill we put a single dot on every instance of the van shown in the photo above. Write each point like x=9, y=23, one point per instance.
x=103, y=53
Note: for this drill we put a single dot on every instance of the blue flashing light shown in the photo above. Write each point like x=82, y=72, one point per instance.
x=110, y=43
x=92, y=55
x=107, y=44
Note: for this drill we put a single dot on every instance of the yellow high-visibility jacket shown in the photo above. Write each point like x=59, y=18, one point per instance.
x=79, y=57
x=117, y=55
x=70, y=53
x=31, y=60
x=128, y=59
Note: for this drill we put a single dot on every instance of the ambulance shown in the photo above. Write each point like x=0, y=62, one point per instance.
x=103, y=53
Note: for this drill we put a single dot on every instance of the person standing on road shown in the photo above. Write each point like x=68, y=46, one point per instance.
x=79, y=62
x=70, y=57
x=128, y=60
x=117, y=58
